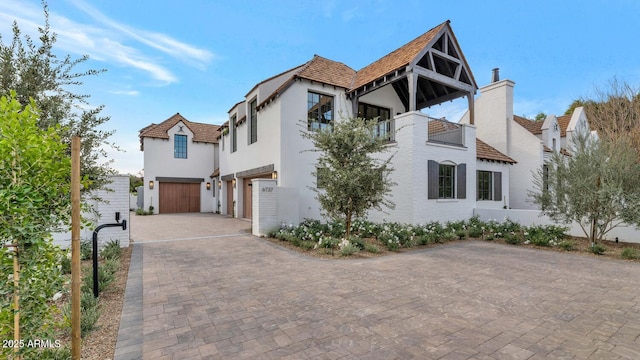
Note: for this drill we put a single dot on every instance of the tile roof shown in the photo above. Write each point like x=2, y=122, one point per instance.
x=485, y=151
x=397, y=59
x=563, y=122
x=205, y=133
x=318, y=69
x=439, y=125
x=534, y=127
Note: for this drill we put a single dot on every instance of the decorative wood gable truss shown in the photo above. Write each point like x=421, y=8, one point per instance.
x=429, y=70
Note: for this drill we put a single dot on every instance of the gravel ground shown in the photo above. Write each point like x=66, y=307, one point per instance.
x=100, y=344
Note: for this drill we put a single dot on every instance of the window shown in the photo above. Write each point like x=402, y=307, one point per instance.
x=319, y=111
x=554, y=145
x=253, y=122
x=383, y=129
x=234, y=133
x=446, y=181
x=485, y=186
x=180, y=146
x=321, y=177
x=442, y=179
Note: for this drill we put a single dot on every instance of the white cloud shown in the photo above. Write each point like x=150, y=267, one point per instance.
x=162, y=42
x=125, y=92
x=101, y=42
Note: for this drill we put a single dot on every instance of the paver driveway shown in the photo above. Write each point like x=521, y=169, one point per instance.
x=239, y=297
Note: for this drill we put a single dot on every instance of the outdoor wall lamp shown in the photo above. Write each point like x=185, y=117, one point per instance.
x=233, y=182
x=208, y=186
x=151, y=184
x=274, y=175
x=219, y=184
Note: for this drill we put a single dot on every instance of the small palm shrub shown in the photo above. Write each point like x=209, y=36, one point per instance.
x=475, y=232
x=371, y=248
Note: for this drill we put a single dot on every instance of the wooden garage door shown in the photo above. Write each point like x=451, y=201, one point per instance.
x=179, y=197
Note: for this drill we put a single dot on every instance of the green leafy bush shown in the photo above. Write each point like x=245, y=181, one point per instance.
x=111, y=250
x=371, y=248
x=598, y=249
x=349, y=249
x=630, y=253
x=475, y=232
x=512, y=238
x=307, y=244
x=566, y=245
x=461, y=234
x=86, y=249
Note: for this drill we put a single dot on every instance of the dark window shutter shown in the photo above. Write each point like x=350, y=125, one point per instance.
x=432, y=179
x=462, y=181
x=497, y=186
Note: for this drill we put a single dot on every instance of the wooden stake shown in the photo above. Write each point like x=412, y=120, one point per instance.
x=16, y=301
x=75, y=248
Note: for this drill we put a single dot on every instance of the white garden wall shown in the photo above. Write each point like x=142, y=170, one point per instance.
x=116, y=200
x=534, y=217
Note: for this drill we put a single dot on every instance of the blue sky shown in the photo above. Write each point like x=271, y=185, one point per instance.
x=200, y=57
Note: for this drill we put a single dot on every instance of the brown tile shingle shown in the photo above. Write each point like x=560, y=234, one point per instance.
x=563, y=123
x=205, y=133
x=485, y=151
x=534, y=127
x=396, y=59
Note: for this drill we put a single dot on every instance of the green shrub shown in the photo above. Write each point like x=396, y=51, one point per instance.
x=371, y=248
x=424, y=239
x=566, y=245
x=455, y=225
x=61, y=353
x=489, y=237
x=65, y=263
x=105, y=277
x=86, y=249
x=111, y=250
x=112, y=265
x=598, y=249
x=475, y=232
x=307, y=244
x=461, y=234
x=328, y=242
x=630, y=253
x=512, y=238
x=357, y=242
x=540, y=239
x=448, y=236
x=349, y=249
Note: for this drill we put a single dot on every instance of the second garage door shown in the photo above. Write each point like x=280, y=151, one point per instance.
x=179, y=197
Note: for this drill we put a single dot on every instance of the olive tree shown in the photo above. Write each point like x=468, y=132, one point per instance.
x=32, y=69
x=351, y=176
x=34, y=199
x=596, y=187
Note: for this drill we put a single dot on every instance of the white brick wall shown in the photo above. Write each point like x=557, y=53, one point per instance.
x=264, y=206
x=116, y=200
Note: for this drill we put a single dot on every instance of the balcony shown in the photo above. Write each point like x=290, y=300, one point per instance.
x=445, y=132
x=385, y=129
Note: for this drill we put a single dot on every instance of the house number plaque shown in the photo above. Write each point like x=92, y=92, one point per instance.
x=267, y=189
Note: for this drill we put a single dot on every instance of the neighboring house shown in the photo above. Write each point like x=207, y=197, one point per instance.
x=529, y=143
x=180, y=157
x=436, y=162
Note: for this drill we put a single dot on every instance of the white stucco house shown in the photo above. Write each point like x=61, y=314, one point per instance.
x=180, y=158
x=437, y=163
x=530, y=143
